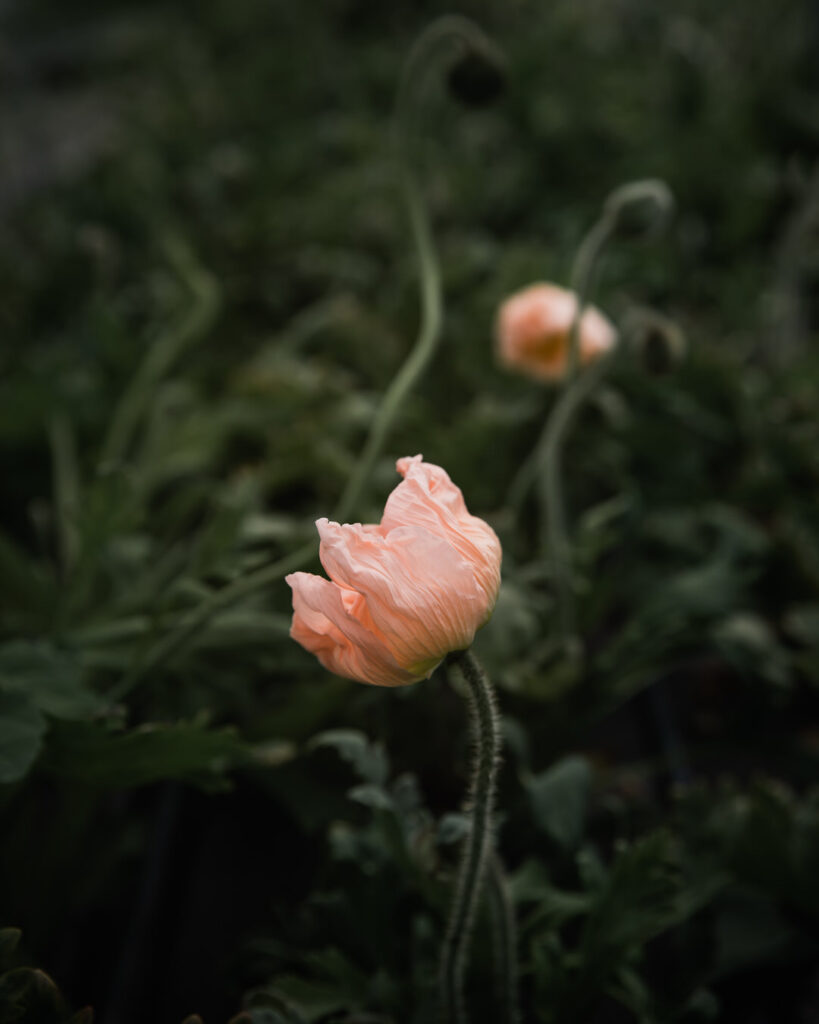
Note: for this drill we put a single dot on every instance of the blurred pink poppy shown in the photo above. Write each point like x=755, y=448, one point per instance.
x=533, y=331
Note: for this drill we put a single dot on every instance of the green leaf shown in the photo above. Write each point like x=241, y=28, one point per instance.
x=312, y=999
x=53, y=680
x=267, y=1006
x=802, y=623
x=104, y=756
x=368, y=759
x=22, y=727
x=637, y=902
x=29, y=996
x=559, y=798
x=748, y=642
x=371, y=796
x=25, y=585
x=452, y=828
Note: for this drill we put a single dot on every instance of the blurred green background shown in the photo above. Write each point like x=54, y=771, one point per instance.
x=203, y=197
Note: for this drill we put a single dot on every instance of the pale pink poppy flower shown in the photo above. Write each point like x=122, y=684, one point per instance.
x=533, y=331
x=404, y=593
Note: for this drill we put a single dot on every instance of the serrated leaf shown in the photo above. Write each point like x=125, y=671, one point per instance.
x=559, y=798
x=267, y=1006
x=637, y=902
x=371, y=796
x=27, y=994
x=748, y=642
x=312, y=999
x=368, y=759
x=452, y=828
x=53, y=680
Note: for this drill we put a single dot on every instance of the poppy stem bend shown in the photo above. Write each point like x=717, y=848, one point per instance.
x=442, y=33
x=652, y=193
x=658, y=201
x=549, y=456
x=479, y=841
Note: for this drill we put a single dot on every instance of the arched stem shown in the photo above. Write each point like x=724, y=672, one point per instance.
x=420, y=354
x=555, y=541
x=578, y=386
x=485, y=725
x=447, y=29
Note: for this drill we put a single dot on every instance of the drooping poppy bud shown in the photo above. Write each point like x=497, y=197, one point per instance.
x=477, y=78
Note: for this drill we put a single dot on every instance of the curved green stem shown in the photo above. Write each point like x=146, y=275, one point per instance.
x=577, y=387
x=444, y=30
x=66, y=489
x=504, y=933
x=172, y=643
x=439, y=34
x=580, y=282
x=651, y=191
x=420, y=354
x=485, y=724
x=555, y=541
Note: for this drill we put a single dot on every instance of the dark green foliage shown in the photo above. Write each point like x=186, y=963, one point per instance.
x=206, y=284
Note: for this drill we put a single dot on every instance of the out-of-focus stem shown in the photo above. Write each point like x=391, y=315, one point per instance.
x=420, y=354
x=164, y=351
x=66, y=489
x=504, y=933
x=577, y=386
x=173, y=642
x=555, y=541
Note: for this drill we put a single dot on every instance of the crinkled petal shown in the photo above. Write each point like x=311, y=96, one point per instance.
x=428, y=499
x=325, y=622
x=420, y=593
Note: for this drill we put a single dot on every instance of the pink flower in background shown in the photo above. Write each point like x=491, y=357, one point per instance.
x=404, y=593
x=533, y=329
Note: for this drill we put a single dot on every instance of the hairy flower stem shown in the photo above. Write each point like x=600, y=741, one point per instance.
x=504, y=933
x=479, y=841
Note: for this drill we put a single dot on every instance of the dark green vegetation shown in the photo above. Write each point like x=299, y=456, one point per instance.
x=212, y=183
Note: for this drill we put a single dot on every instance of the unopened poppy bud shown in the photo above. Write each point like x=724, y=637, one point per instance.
x=477, y=78
x=659, y=341
x=533, y=331
x=404, y=593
